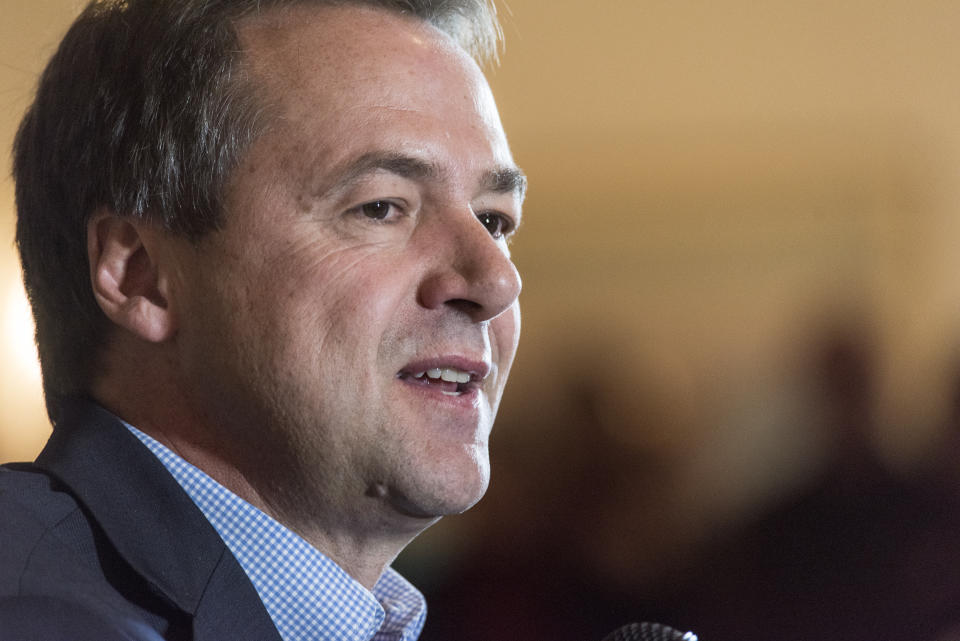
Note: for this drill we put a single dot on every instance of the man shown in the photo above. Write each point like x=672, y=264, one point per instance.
x=266, y=247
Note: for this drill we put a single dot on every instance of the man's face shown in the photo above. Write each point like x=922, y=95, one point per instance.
x=350, y=330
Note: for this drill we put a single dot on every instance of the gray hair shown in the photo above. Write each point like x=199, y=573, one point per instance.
x=144, y=110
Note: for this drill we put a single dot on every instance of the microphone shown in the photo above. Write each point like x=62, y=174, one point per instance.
x=648, y=632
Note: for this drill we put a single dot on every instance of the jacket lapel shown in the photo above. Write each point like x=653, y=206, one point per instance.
x=154, y=525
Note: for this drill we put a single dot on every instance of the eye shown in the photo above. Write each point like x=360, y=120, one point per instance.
x=497, y=225
x=376, y=210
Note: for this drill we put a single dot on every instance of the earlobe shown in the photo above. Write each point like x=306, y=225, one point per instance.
x=126, y=279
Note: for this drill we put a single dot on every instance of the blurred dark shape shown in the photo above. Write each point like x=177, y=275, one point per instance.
x=861, y=554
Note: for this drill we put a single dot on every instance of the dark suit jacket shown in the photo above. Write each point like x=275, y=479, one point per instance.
x=99, y=542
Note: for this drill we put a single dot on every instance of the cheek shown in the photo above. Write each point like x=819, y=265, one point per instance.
x=506, y=335
x=345, y=299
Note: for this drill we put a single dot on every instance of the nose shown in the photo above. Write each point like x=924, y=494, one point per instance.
x=473, y=273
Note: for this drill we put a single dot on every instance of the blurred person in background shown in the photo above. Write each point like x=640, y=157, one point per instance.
x=265, y=244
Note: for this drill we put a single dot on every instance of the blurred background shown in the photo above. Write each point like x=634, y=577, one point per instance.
x=736, y=406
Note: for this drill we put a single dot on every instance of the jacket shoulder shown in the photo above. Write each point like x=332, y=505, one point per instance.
x=31, y=507
x=58, y=573
x=51, y=619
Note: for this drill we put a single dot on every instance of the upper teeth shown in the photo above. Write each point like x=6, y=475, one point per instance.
x=447, y=374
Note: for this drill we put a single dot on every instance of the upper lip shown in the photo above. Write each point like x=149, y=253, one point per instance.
x=477, y=369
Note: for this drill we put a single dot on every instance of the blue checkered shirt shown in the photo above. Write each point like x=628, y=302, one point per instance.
x=307, y=595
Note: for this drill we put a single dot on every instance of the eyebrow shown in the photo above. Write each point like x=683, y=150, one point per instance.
x=504, y=180
x=500, y=180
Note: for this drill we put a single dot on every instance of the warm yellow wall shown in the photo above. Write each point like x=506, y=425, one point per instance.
x=710, y=181
x=28, y=33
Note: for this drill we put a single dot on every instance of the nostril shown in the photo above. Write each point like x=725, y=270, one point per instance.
x=464, y=305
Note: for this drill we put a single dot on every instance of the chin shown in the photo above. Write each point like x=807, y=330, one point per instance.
x=443, y=495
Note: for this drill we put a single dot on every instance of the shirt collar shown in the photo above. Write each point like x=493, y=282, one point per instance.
x=306, y=594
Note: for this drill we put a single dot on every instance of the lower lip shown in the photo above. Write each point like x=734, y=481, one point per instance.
x=468, y=399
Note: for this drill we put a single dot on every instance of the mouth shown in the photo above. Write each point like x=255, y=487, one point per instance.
x=449, y=377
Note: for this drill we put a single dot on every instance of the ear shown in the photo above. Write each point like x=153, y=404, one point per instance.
x=127, y=282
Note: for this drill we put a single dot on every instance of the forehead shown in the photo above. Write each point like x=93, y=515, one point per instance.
x=304, y=39
x=337, y=72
